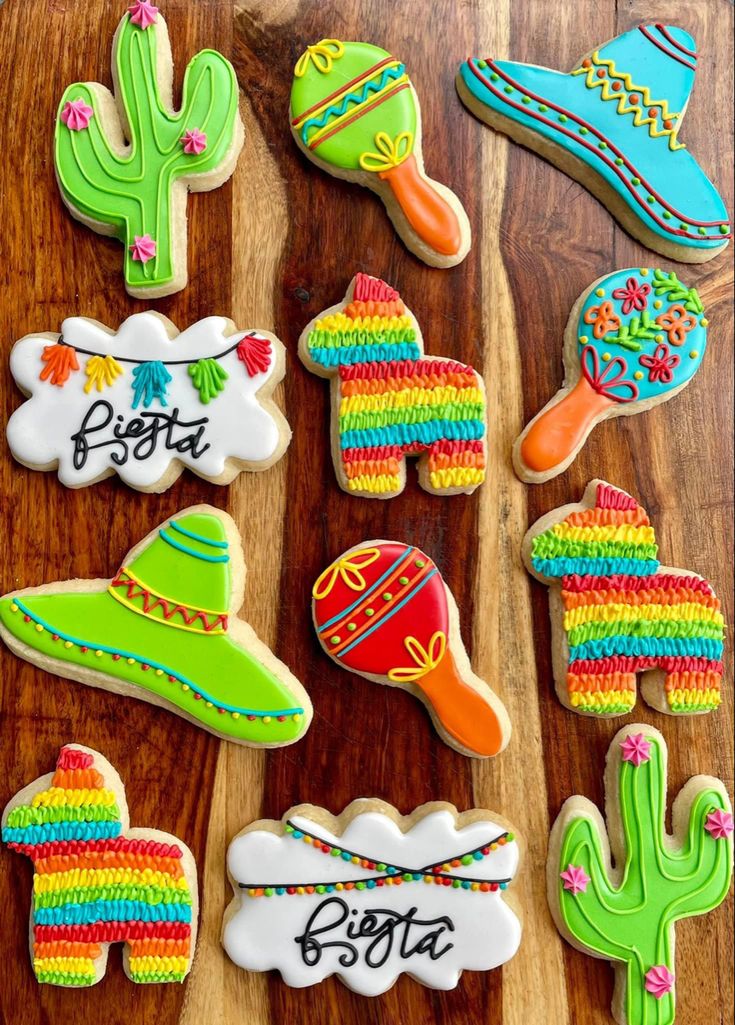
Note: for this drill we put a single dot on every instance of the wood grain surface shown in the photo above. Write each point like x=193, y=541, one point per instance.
x=272, y=248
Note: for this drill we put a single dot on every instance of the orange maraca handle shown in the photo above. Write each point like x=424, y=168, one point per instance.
x=428, y=213
x=462, y=711
x=557, y=434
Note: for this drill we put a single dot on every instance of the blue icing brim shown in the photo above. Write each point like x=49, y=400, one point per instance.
x=665, y=188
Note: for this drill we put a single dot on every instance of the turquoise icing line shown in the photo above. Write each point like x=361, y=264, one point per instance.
x=566, y=567
x=337, y=109
x=50, y=832
x=197, y=537
x=190, y=551
x=412, y=434
x=347, y=611
x=112, y=911
x=654, y=647
x=335, y=356
x=384, y=619
x=155, y=665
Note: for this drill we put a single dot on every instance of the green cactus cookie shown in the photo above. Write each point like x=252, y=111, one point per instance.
x=124, y=163
x=627, y=914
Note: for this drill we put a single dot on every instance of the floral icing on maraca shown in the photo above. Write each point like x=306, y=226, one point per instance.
x=383, y=610
x=634, y=340
x=355, y=112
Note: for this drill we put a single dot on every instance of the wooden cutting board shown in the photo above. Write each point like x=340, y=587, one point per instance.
x=273, y=248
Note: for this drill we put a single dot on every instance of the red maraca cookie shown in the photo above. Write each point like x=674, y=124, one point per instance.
x=383, y=610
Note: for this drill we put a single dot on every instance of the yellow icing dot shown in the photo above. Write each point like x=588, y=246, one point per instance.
x=339, y=886
x=704, y=322
x=644, y=271
x=638, y=375
x=308, y=839
x=606, y=356
x=235, y=715
x=600, y=292
x=130, y=661
x=693, y=354
x=659, y=338
x=68, y=644
x=185, y=686
x=475, y=887
x=13, y=607
x=39, y=628
x=657, y=304
x=355, y=861
x=266, y=719
x=159, y=672
x=297, y=717
x=300, y=889
x=99, y=653
x=583, y=339
x=208, y=704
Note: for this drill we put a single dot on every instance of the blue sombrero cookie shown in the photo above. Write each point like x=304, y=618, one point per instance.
x=613, y=124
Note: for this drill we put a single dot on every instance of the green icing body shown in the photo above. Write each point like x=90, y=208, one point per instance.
x=632, y=922
x=360, y=108
x=128, y=191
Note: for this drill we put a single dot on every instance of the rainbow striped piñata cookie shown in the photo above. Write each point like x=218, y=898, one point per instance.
x=97, y=882
x=616, y=611
x=390, y=401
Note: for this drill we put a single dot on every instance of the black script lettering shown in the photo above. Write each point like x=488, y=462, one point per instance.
x=311, y=948
x=143, y=432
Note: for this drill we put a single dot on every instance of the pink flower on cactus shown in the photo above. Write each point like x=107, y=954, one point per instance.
x=575, y=879
x=142, y=13
x=143, y=249
x=659, y=980
x=719, y=824
x=633, y=295
x=194, y=142
x=636, y=749
x=76, y=115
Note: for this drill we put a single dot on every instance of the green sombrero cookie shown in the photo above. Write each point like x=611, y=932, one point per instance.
x=164, y=630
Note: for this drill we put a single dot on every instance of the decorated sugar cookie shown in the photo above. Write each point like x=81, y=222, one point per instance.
x=355, y=114
x=124, y=163
x=382, y=610
x=145, y=401
x=616, y=890
x=390, y=401
x=97, y=881
x=613, y=123
x=165, y=630
x=634, y=339
x=371, y=894
x=616, y=611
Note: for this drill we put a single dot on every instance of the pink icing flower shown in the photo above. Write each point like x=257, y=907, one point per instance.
x=142, y=13
x=661, y=364
x=636, y=749
x=194, y=142
x=719, y=824
x=76, y=115
x=659, y=980
x=144, y=248
x=633, y=295
x=575, y=879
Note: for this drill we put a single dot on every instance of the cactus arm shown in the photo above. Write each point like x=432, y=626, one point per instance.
x=127, y=188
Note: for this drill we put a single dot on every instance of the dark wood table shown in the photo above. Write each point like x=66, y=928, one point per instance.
x=271, y=249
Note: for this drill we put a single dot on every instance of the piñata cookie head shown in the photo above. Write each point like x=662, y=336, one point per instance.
x=355, y=112
x=382, y=610
x=634, y=339
x=97, y=881
x=165, y=630
x=615, y=124
x=391, y=402
x=616, y=611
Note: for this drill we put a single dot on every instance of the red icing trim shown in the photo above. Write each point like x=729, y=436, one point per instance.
x=609, y=497
x=667, y=35
x=152, y=848
x=369, y=289
x=111, y=932
x=665, y=49
x=71, y=758
x=637, y=664
x=621, y=582
x=169, y=611
x=368, y=73
x=358, y=114
x=593, y=149
x=404, y=368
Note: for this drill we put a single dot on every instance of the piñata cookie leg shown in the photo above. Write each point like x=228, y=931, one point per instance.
x=616, y=612
x=355, y=114
x=97, y=881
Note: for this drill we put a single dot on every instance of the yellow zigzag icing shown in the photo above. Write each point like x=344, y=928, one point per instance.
x=639, y=110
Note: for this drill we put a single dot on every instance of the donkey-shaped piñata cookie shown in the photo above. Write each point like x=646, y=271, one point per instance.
x=616, y=612
x=97, y=882
x=390, y=401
